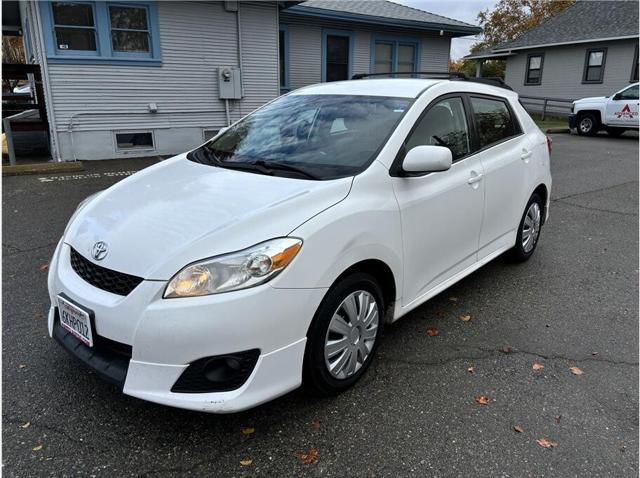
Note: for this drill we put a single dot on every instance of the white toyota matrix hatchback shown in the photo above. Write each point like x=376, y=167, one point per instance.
x=272, y=255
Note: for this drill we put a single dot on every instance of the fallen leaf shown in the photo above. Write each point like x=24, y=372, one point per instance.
x=44, y=267
x=432, y=331
x=544, y=443
x=309, y=457
x=246, y=462
x=558, y=418
x=576, y=371
x=518, y=429
x=453, y=299
x=316, y=424
x=594, y=353
x=37, y=448
x=22, y=365
x=537, y=366
x=471, y=369
x=506, y=349
x=26, y=425
x=465, y=318
x=248, y=431
x=482, y=399
x=440, y=313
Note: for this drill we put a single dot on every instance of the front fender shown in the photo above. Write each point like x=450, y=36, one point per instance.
x=366, y=225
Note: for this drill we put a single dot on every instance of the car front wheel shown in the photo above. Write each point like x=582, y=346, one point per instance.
x=528, y=230
x=588, y=124
x=344, y=335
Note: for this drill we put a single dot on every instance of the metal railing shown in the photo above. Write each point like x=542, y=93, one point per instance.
x=546, y=105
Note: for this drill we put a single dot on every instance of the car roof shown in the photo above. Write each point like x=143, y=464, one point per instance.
x=397, y=87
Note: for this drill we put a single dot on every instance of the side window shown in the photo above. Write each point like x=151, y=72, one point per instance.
x=444, y=124
x=594, y=65
x=493, y=120
x=534, y=70
x=630, y=93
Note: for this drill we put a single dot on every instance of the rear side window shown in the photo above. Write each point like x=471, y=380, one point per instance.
x=444, y=124
x=494, y=121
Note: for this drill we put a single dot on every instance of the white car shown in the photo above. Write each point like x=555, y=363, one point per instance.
x=615, y=114
x=272, y=255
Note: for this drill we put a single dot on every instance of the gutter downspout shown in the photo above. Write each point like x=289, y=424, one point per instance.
x=42, y=57
x=239, y=30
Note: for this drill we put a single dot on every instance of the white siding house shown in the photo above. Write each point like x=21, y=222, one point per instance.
x=142, y=79
x=589, y=49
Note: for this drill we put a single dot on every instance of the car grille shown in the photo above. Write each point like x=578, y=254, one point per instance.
x=103, y=278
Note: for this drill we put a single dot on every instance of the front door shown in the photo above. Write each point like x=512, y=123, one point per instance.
x=622, y=108
x=441, y=212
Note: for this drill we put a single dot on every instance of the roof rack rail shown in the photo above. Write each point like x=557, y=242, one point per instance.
x=451, y=75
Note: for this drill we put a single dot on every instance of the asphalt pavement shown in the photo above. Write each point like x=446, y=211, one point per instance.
x=574, y=304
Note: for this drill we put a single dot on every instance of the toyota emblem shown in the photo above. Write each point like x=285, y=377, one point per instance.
x=99, y=250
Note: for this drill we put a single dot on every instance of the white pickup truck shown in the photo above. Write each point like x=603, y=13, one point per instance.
x=615, y=113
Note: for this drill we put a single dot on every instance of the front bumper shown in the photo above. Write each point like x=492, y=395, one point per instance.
x=166, y=335
x=573, y=121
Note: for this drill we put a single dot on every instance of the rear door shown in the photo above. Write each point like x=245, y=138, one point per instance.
x=505, y=154
x=622, y=108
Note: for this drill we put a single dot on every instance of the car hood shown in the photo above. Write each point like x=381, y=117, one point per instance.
x=591, y=99
x=176, y=212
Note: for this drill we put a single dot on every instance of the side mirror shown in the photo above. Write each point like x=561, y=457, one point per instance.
x=427, y=159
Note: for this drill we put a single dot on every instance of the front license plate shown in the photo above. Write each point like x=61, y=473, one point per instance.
x=75, y=320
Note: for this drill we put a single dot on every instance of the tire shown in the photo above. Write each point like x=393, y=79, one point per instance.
x=615, y=132
x=588, y=124
x=317, y=377
x=524, y=249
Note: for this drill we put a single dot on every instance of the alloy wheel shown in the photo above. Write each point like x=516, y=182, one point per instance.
x=586, y=124
x=351, y=334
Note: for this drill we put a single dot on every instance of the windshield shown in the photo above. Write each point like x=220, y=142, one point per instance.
x=307, y=136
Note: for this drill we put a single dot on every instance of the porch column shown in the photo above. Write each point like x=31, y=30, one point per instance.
x=479, y=68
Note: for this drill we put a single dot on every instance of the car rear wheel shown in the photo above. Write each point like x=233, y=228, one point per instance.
x=528, y=230
x=588, y=124
x=344, y=335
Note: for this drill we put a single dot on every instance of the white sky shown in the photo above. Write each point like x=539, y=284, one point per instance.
x=463, y=10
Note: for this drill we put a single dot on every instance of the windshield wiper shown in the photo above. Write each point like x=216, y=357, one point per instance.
x=285, y=167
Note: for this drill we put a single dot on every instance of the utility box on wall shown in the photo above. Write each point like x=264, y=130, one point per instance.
x=229, y=83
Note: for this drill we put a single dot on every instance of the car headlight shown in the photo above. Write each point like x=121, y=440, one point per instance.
x=238, y=270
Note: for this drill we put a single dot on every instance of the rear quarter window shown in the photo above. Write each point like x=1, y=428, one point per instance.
x=494, y=121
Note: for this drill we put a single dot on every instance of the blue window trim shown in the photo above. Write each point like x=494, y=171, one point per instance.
x=340, y=33
x=104, y=53
x=285, y=86
x=395, y=41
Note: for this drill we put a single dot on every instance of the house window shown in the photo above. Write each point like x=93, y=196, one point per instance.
x=394, y=55
x=594, y=65
x=134, y=140
x=129, y=29
x=283, y=58
x=634, y=67
x=337, y=58
x=74, y=27
x=534, y=70
x=98, y=32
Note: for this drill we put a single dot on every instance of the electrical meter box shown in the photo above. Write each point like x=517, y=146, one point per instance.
x=229, y=83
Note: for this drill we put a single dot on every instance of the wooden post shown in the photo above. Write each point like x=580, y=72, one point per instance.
x=544, y=108
x=479, y=68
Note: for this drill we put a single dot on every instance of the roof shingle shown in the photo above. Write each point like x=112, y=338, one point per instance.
x=363, y=10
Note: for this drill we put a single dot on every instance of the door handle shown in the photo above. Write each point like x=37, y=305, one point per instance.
x=525, y=155
x=475, y=179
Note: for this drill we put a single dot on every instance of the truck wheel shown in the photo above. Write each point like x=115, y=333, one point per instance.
x=588, y=124
x=615, y=132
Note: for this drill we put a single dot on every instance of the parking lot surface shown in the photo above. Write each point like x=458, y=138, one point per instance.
x=574, y=304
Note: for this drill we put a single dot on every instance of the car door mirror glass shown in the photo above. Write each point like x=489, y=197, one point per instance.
x=427, y=159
